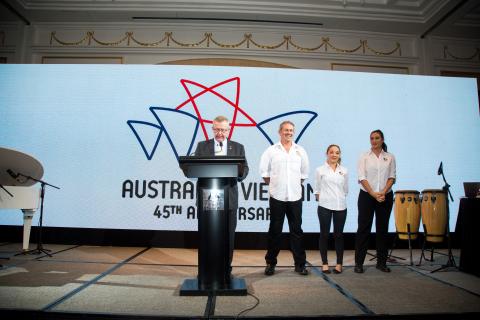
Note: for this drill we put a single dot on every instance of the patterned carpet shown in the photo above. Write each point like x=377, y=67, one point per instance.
x=136, y=282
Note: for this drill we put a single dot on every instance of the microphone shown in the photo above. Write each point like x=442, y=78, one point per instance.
x=218, y=147
x=440, y=168
x=13, y=175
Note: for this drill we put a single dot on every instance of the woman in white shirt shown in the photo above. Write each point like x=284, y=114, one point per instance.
x=331, y=188
x=376, y=175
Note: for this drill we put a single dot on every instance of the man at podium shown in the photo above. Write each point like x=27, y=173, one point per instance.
x=221, y=146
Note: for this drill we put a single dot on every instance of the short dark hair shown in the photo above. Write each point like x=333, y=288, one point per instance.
x=284, y=123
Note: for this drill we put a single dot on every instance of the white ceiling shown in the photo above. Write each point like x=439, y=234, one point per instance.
x=449, y=18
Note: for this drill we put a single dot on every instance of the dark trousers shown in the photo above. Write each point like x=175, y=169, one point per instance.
x=367, y=206
x=325, y=217
x=293, y=211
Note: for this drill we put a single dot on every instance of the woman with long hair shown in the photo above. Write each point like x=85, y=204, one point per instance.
x=331, y=189
x=376, y=176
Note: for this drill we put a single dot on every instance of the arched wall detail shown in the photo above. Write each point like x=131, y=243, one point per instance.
x=229, y=62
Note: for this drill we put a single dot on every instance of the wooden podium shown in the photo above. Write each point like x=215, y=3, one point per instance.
x=214, y=176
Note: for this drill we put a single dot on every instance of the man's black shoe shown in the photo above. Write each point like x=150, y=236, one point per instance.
x=301, y=270
x=269, y=269
x=358, y=269
x=383, y=268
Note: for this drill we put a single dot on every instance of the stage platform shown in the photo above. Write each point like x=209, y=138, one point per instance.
x=90, y=282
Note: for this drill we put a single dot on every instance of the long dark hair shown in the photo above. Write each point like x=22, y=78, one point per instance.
x=384, y=145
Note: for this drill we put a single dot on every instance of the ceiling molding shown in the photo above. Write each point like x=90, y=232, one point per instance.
x=412, y=17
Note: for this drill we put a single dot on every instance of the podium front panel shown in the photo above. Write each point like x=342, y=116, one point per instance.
x=208, y=171
x=213, y=221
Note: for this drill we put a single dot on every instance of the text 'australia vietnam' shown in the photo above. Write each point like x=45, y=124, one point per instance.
x=176, y=190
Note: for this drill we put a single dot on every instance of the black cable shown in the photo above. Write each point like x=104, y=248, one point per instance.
x=248, y=309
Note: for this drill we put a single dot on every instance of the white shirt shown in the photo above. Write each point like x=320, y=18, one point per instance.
x=376, y=170
x=332, y=187
x=220, y=151
x=285, y=170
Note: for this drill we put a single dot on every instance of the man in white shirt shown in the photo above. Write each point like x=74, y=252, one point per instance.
x=284, y=166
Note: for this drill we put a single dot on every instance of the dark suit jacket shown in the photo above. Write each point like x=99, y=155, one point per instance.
x=207, y=148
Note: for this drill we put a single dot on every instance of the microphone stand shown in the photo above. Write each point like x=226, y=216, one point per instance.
x=2, y=187
x=40, y=248
x=451, y=260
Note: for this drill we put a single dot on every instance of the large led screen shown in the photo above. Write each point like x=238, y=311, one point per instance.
x=110, y=136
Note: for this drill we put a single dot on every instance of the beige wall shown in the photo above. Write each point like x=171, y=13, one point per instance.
x=235, y=44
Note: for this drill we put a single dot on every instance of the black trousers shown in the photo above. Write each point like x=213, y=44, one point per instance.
x=293, y=211
x=325, y=217
x=367, y=207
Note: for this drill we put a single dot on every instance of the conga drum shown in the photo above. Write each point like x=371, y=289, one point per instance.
x=407, y=212
x=434, y=214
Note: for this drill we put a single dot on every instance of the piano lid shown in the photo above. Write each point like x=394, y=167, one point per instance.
x=18, y=162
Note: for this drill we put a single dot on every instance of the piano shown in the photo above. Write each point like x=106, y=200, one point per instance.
x=18, y=174
x=25, y=198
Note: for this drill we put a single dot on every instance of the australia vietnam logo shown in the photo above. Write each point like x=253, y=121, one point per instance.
x=184, y=124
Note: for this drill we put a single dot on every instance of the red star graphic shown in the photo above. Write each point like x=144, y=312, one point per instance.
x=234, y=104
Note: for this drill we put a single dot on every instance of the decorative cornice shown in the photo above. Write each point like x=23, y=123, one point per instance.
x=209, y=41
x=447, y=54
x=412, y=11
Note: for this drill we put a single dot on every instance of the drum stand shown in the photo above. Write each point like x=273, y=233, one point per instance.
x=390, y=258
x=422, y=255
x=40, y=248
x=451, y=260
x=409, y=244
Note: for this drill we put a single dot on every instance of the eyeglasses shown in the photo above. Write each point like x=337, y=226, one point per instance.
x=220, y=130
